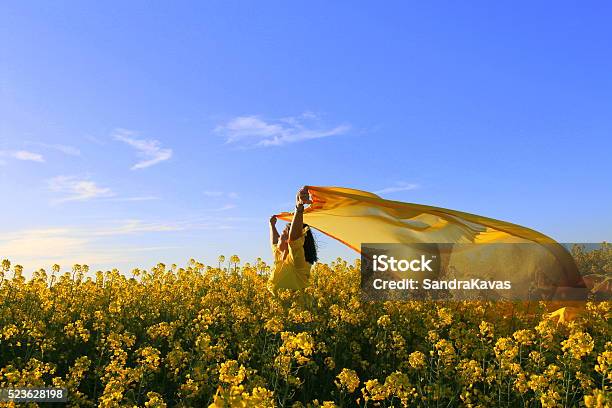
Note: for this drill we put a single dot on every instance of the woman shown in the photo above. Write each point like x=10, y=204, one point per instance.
x=294, y=250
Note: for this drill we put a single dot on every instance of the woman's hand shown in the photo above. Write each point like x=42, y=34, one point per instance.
x=302, y=197
x=273, y=220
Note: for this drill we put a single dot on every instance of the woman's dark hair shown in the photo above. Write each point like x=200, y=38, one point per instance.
x=310, y=247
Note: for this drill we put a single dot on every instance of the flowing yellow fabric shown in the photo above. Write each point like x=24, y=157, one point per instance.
x=354, y=217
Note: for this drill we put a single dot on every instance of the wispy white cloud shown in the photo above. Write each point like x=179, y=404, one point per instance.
x=44, y=246
x=95, y=140
x=399, y=186
x=136, y=198
x=137, y=226
x=224, y=208
x=253, y=131
x=68, y=150
x=77, y=189
x=29, y=156
x=23, y=155
x=213, y=193
x=228, y=194
x=149, y=150
x=96, y=244
x=152, y=248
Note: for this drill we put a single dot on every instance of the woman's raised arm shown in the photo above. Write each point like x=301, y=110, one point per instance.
x=297, y=224
x=273, y=232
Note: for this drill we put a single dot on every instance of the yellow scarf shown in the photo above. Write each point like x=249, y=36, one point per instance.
x=354, y=217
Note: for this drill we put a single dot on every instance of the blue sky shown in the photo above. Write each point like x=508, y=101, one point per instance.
x=159, y=131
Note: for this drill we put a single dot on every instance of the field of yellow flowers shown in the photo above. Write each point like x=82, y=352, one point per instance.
x=215, y=336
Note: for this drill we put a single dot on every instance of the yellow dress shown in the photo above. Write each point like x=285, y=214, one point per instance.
x=292, y=272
